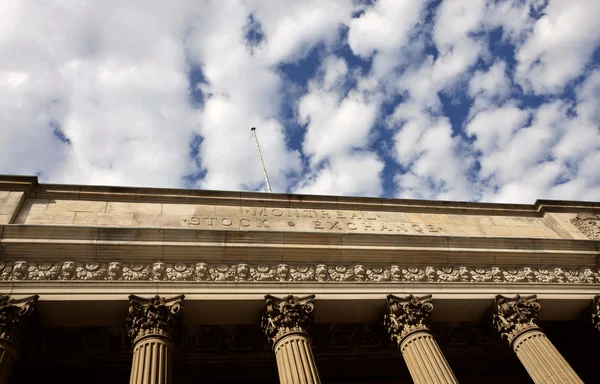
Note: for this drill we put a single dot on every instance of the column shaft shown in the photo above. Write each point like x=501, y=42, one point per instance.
x=295, y=361
x=542, y=360
x=8, y=356
x=151, y=361
x=425, y=361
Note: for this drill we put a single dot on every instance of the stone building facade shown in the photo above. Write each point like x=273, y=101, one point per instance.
x=188, y=286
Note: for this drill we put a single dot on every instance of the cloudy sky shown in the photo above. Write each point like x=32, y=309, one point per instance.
x=457, y=100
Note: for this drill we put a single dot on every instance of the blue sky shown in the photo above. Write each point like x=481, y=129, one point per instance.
x=457, y=100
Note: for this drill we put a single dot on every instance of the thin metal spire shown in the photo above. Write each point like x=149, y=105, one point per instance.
x=262, y=163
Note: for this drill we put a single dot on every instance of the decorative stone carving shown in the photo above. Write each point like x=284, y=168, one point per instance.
x=302, y=273
x=589, y=224
x=341, y=273
x=360, y=272
x=287, y=315
x=321, y=272
x=413, y=274
x=201, y=272
x=513, y=316
x=179, y=272
x=283, y=272
x=223, y=272
x=92, y=271
x=378, y=274
x=15, y=316
x=407, y=315
x=263, y=273
x=136, y=271
x=158, y=271
x=330, y=273
x=448, y=275
x=152, y=316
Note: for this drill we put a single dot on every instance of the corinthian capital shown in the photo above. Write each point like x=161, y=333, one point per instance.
x=14, y=316
x=513, y=316
x=286, y=315
x=406, y=315
x=152, y=316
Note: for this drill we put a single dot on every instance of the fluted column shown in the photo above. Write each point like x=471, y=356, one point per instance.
x=406, y=320
x=150, y=325
x=515, y=319
x=285, y=323
x=595, y=312
x=14, y=318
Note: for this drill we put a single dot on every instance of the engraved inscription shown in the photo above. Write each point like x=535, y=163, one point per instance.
x=312, y=220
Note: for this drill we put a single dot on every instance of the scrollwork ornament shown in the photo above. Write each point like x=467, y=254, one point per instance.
x=513, y=316
x=15, y=316
x=589, y=224
x=341, y=273
x=263, y=273
x=448, y=275
x=413, y=274
x=153, y=316
x=481, y=275
x=223, y=272
x=302, y=273
x=136, y=271
x=404, y=316
x=378, y=274
x=286, y=315
x=91, y=271
x=178, y=272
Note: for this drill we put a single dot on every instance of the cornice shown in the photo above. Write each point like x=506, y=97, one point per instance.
x=34, y=189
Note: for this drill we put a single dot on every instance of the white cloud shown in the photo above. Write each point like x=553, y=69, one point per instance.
x=494, y=128
x=489, y=87
x=357, y=173
x=113, y=77
x=383, y=31
x=293, y=28
x=559, y=47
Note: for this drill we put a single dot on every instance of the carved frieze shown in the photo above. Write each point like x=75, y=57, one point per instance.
x=286, y=315
x=407, y=315
x=283, y=272
x=589, y=224
x=15, y=316
x=512, y=316
x=152, y=316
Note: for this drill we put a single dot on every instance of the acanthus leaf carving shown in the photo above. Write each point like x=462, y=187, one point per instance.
x=513, y=316
x=405, y=315
x=286, y=315
x=15, y=315
x=153, y=316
